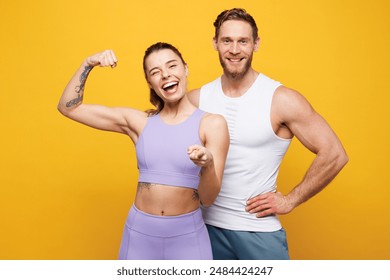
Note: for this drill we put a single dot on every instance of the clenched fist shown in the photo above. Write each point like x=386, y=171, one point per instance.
x=104, y=58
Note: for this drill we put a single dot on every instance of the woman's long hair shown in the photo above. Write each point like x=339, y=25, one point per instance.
x=154, y=98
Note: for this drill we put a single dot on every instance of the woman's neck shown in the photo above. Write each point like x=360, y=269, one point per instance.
x=175, y=113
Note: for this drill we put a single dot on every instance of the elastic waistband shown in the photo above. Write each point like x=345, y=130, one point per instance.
x=164, y=226
x=169, y=178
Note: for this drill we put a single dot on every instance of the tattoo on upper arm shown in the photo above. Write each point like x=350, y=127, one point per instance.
x=80, y=88
x=195, y=195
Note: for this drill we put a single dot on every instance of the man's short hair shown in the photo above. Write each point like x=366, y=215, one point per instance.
x=235, y=14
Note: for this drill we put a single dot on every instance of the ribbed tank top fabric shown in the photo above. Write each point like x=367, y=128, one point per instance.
x=254, y=156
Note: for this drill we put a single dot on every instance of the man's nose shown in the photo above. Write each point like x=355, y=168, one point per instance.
x=235, y=48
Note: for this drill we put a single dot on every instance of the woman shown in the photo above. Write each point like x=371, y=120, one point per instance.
x=181, y=154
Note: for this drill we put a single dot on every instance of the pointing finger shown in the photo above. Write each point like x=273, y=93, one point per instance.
x=192, y=148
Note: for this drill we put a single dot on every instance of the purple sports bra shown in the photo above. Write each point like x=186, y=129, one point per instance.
x=162, y=152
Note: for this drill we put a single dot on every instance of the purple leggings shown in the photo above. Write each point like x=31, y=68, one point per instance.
x=150, y=237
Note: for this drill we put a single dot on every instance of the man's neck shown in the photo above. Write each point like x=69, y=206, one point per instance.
x=236, y=87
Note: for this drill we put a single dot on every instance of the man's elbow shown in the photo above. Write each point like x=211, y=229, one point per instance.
x=344, y=159
x=341, y=159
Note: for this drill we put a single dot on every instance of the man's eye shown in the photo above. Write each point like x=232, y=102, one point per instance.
x=173, y=66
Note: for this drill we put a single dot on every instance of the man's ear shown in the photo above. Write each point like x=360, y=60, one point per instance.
x=257, y=44
x=215, y=41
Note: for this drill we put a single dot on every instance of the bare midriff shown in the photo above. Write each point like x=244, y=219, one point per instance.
x=163, y=200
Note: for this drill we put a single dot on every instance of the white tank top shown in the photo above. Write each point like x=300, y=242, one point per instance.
x=254, y=156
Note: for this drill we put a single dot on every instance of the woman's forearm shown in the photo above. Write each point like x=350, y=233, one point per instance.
x=73, y=93
x=209, y=185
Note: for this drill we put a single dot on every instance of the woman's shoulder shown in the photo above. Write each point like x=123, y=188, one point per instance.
x=214, y=126
x=212, y=120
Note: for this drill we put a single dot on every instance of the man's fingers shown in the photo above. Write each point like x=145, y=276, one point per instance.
x=257, y=199
x=257, y=206
x=264, y=213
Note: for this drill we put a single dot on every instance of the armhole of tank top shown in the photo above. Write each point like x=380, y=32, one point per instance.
x=207, y=89
x=270, y=121
x=200, y=103
x=143, y=129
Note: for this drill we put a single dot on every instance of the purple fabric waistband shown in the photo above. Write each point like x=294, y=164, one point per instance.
x=164, y=226
x=169, y=178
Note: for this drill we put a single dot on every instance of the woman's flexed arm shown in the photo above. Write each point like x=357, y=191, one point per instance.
x=101, y=117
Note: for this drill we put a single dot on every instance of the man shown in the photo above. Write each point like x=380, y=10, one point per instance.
x=263, y=116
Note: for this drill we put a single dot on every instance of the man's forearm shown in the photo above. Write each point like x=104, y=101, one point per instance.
x=321, y=172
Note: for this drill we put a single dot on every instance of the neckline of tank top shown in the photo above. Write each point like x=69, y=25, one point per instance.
x=246, y=93
x=180, y=123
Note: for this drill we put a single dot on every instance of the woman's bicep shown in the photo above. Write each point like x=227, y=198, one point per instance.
x=105, y=118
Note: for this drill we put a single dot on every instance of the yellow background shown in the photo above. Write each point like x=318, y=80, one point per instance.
x=65, y=189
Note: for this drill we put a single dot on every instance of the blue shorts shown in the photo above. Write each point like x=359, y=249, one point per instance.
x=150, y=237
x=245, y=245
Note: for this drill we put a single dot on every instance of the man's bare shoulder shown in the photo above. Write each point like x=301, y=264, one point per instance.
x=193, y=96
x=285, y=94
x=288, y=101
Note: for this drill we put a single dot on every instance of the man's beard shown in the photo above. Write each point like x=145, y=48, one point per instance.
x=236, y=75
